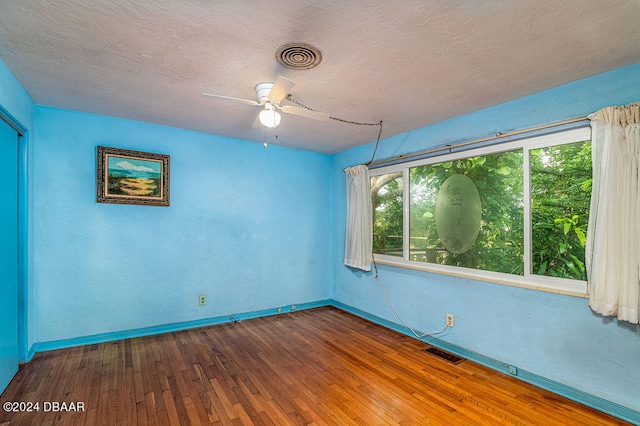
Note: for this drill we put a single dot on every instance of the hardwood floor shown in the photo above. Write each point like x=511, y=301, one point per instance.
x=319, y=366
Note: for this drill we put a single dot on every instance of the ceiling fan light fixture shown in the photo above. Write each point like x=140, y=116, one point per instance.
x=269, y=117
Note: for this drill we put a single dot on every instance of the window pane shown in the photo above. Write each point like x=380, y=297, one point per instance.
x=498, y=180
x=560, y=197
x=386, y=199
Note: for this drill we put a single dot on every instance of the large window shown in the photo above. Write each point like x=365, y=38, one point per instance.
x=514, y=213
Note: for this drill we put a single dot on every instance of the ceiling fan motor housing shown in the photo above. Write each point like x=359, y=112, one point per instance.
x=263, y=90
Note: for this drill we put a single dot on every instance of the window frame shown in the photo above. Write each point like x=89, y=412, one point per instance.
x=529, y=279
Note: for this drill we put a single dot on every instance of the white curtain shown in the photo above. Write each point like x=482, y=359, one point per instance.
x=358, y=241
x=613, y=238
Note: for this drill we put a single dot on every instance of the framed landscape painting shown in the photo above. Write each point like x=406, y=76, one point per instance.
x=132, y=177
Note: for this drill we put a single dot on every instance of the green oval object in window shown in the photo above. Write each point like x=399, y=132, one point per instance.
x=458, y=213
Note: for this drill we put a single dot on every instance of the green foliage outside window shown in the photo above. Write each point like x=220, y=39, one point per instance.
x=560, y=197
x=386, y=199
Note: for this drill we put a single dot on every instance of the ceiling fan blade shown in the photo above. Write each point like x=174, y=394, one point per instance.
x=303, y=112
x=229, y=98
x=280, y=89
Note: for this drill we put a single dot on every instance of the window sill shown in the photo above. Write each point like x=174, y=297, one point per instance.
x=534, y=282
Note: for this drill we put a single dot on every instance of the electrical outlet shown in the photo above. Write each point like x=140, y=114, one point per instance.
x=513, y=370
x=293, y=307
x=202, y=300
x=450, y=320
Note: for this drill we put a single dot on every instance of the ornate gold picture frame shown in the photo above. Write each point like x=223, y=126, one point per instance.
x=132, y=177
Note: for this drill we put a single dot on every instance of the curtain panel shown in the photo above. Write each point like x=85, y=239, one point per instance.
x=613, y=236
x=359, y=233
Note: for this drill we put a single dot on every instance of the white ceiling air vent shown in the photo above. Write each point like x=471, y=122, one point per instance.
x=298, y=56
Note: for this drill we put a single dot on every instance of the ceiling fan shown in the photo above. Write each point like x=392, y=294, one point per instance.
x=269, y=96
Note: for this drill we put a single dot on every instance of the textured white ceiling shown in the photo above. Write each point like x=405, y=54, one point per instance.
x=407, y=63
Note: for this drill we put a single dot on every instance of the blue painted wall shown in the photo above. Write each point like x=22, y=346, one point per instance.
x=551, y=335
x=246, y=227
x=14, y=99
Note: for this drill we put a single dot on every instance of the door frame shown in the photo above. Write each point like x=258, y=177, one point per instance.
x=23, y=234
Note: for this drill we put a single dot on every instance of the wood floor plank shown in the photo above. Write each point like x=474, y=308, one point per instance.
x=171, y=411
x=321, y=366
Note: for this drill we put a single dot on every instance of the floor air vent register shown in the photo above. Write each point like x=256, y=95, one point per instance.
x=453, y=359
